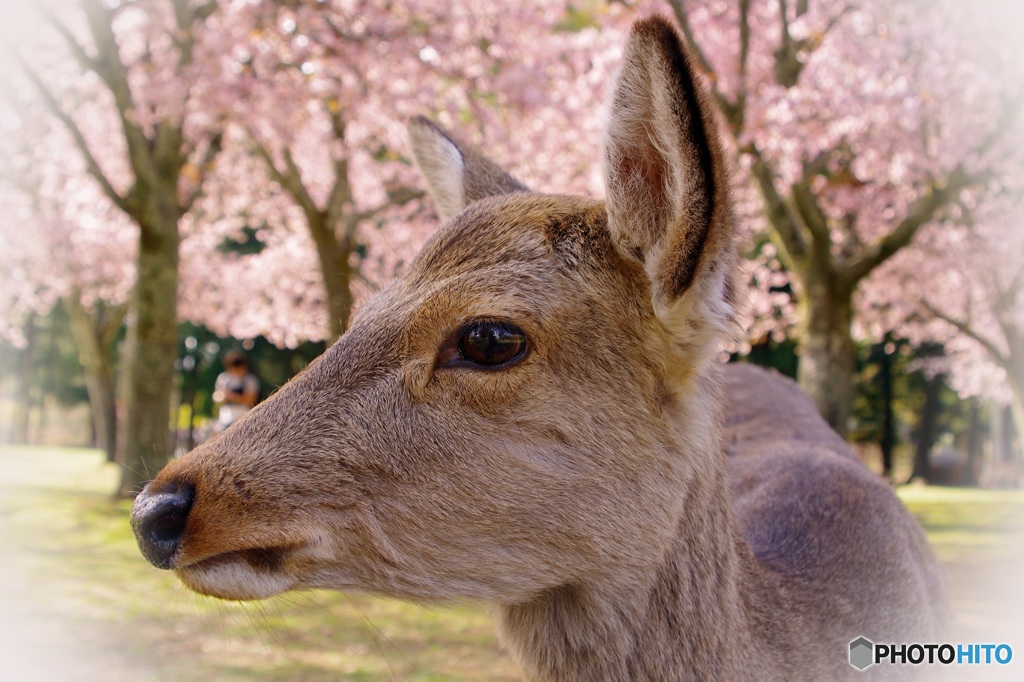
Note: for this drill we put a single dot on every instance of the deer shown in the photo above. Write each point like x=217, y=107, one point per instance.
x=535, y=415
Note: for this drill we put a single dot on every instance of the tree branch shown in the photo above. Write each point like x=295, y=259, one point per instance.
x=684, y=24
x=1004, y=308
x=1009, y=115
x=87, y=62
x=787, y=66
x=111, y=321
x=794, y=246
x=399, y=196
x=93, y=167
x=739, y=112
x=108, y=64
x=114, y=74
x=936, y=197
x=185, y=17
x=744, y=41
x=341, y=191
x=289, y=178
x=813, y=217
x=212, y=150
x=733, y=111
x=965, y=328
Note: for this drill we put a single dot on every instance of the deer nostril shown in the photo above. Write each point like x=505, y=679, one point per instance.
x=167, y=528
x=158, y=520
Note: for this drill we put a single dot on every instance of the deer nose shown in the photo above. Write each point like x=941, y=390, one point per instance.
x=158, y=519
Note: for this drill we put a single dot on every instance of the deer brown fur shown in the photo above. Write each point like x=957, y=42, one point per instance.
x=633, y=509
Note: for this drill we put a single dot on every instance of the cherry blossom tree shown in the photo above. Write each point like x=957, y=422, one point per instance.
x=962, y=286
x=967, y=292
x=141, y=89
x=282, y=125
x=124, y=87
x=850, y=120
x=63, y=243
x=320, y=94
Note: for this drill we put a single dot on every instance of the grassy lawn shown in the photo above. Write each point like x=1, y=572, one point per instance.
x=77, y=602
x=979, y=537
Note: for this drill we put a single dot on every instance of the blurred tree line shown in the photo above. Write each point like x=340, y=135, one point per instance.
x=46, y=379
x=907, y=419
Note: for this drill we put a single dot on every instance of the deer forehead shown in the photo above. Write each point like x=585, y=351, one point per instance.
x=518, y=258
x=521, y=229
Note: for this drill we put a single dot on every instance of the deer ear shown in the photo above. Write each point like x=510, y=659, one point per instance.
x=667, y=196
x=456, y=173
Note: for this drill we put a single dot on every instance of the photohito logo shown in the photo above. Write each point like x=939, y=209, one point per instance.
x=864, y=653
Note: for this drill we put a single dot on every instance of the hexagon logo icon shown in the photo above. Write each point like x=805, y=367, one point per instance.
x=862, y=653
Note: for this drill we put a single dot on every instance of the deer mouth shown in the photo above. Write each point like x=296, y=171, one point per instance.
x=242, y=574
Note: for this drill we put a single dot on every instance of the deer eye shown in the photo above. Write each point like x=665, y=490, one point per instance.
x=491, y=344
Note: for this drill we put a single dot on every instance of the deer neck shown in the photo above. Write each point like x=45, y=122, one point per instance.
x=699, y=611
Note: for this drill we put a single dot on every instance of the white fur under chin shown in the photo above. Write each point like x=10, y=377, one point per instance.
x=233, y=578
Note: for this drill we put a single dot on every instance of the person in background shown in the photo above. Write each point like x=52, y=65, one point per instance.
x=236, y=390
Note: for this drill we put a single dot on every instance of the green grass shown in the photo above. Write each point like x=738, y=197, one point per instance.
x=978, y=536
x=94, y=608
x=77, y=602
x=961, y=521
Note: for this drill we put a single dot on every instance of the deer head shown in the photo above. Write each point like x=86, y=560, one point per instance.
x=518, y=412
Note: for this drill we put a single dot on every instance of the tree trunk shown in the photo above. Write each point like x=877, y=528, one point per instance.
x=336, y=272
x=973, y=443
x=926, y=429
x=48, y=378
x=1004, y=468
x=26, y=370
x=1015, y=375
x=339, y=296
x=158, y=155
x=151, y=347
x=888, y=440
x=1017, y=413
x=92, y=336
x=827, y=352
